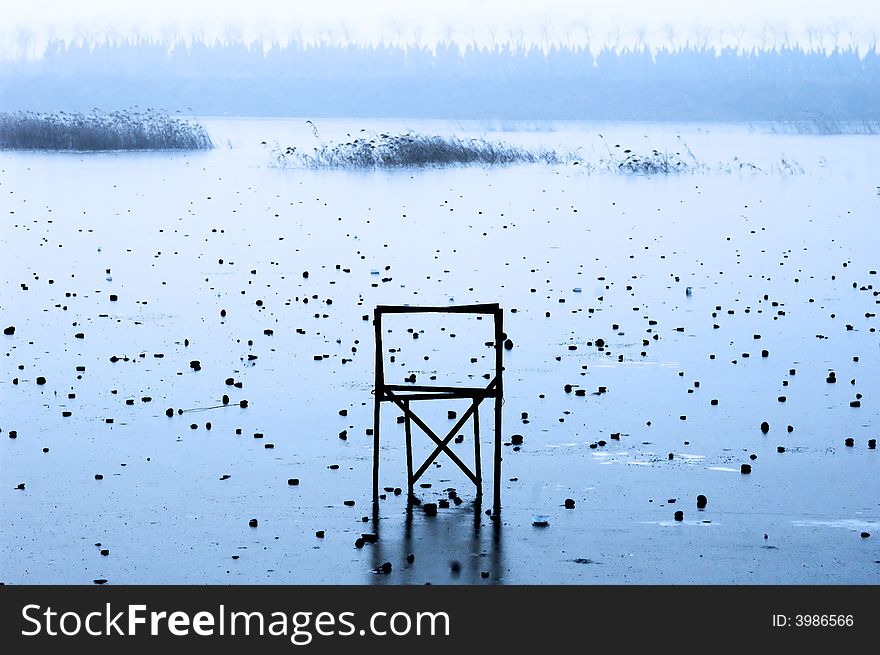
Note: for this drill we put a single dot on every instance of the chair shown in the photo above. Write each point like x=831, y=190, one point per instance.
x=404, y=396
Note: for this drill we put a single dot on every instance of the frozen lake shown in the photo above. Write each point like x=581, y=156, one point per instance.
x=657, y=322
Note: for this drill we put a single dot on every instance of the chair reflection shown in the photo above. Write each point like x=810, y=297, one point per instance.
x=456, y=545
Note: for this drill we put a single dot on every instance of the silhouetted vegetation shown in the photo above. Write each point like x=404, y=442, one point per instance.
x=655, y=163
x=118, y=130
x=825, y=126
x=414, y=150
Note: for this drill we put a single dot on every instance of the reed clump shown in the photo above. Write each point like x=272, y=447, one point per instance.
x=413, y=150
x=100, y=131
x=418, y=150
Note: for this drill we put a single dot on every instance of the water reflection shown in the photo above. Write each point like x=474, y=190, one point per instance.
x=457, y=545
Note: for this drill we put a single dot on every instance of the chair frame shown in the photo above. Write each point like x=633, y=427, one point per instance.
x=402, y=396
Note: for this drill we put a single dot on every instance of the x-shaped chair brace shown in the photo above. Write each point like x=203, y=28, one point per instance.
x=443, y=444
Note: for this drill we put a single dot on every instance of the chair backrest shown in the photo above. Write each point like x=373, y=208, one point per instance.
x=461, y=374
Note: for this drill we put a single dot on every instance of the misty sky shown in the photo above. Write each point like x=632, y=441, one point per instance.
x=27, y=26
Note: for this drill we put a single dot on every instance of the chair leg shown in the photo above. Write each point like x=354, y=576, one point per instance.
x=409, y=454
x=377, y=409
x=496, y=501
x=478, y=466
